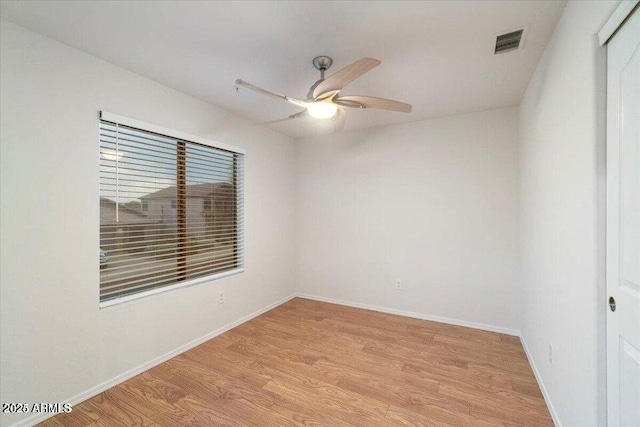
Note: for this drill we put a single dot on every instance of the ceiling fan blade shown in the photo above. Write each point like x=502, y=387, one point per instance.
x=345, y=76
x=302, y=113
x=359, y=101
x=339, y=120
x=258, y=89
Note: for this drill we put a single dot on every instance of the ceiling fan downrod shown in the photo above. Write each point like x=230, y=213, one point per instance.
x=322, y=64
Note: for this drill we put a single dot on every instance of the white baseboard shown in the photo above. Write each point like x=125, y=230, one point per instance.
x=432, y=318
x=37, y=418
x=545, y=394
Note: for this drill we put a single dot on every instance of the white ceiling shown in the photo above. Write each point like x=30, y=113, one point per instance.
x=436, y=55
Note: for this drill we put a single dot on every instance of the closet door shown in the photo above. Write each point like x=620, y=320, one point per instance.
x=623, y=225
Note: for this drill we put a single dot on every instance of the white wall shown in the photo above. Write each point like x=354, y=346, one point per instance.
x=433, y=203
x=562, y=149
x=55, y=342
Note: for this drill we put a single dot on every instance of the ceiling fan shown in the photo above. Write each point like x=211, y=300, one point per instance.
x=324, y=100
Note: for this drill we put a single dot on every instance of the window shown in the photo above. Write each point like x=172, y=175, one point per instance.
x=172, y=240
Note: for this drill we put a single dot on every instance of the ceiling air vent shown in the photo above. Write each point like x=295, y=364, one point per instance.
x=508, y=41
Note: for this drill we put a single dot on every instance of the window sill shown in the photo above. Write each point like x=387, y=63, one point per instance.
x=185, y=284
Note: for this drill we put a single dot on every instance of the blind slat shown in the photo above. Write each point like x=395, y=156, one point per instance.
x=165, y=281
x=142, y=273
x=161, y=275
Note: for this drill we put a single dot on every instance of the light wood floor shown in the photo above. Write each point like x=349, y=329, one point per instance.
x=310, y=363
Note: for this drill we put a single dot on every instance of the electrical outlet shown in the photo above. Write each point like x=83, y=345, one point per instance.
x=221, y=297
x=398, y=284
x=550, y=353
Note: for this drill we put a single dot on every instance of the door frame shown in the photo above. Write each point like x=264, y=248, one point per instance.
x=615, y=21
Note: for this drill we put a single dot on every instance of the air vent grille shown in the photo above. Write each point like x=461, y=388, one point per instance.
x=509, y=41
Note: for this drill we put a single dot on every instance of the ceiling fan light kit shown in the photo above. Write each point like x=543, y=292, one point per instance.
x=324, y=100
x=322, y=110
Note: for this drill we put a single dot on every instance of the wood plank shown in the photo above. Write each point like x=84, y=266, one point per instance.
x=309, y=363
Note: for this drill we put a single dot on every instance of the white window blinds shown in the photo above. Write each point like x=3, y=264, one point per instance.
x=171, y=210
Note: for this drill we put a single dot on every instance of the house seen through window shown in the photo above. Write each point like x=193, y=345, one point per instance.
x=170, y=210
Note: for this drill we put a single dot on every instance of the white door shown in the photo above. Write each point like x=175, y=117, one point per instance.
x=623, y=225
